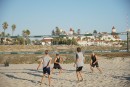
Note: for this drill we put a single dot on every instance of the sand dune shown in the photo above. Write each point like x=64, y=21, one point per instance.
x=116, y=73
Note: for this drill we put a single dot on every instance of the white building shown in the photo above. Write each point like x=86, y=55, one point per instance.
x=47, y=41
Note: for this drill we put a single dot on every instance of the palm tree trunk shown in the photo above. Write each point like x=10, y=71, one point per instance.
x=4, y=37
x=4, y=32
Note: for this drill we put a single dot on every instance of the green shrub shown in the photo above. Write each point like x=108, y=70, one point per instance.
x=6, y=63
x=87, y=59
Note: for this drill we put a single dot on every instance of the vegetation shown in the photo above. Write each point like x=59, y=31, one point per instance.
x=64, y=41
x=68, y=58
x=26, y=34
x=61, y=40
x=13, y=28
x=14, y=41
x=5, y=26
x=6, y=63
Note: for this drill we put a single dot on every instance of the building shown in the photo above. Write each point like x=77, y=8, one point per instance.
x=47, y=41
x=114, y=34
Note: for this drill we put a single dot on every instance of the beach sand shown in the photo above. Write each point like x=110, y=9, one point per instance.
x=116, y=73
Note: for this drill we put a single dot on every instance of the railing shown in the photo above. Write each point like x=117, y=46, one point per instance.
x=97, y=51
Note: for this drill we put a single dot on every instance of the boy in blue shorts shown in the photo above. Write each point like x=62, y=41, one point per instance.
x=46, y=61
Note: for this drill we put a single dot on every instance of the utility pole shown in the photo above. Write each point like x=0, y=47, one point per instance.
x=128, y=33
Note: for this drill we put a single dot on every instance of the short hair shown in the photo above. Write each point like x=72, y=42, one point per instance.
x=57, y=54
x=78, y=49
x=46, y=51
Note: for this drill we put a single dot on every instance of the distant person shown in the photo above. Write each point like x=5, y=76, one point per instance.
x=79, y=64
x=57, y=62
x=94, y=62
x=46, y=61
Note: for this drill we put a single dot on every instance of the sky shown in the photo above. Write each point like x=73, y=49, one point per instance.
x=42, y=16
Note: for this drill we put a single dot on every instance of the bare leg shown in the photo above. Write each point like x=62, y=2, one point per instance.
x=52, y=70
x=80, y=75
x=99, y=69
x=91, y=68
x=42, y=78
x=49, y=79
x=60, y=71
x=77, y=73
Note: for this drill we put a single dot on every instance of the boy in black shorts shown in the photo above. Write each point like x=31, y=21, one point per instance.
x=57, y=62
x=79, y=64
x=94, y=62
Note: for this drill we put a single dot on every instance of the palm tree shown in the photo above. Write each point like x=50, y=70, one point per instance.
x=26, y=33
x=95, y=32
x=1, y=40
x=13, y=28
x=5, y=26
x=57, y=31
x=53, y=32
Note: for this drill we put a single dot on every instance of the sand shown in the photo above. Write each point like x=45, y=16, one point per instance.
x=116, y=73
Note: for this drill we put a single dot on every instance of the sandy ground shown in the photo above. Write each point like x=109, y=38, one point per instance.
x=116, y=73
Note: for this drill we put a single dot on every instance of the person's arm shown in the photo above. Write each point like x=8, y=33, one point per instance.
x=39, y=64
x=96, y=59
x=55, y=61
x=84, y=60
x=76, y=60
x=91, y=61
x=61, y=59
